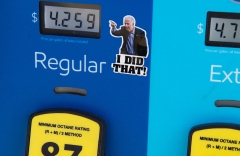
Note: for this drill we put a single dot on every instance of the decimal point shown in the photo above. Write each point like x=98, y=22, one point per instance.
x=58, y=24
x=224, y=36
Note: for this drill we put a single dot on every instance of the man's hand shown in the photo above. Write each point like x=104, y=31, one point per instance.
x=112, y=24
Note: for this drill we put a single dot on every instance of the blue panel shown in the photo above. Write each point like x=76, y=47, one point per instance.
x=183, y=88
x=121, y=99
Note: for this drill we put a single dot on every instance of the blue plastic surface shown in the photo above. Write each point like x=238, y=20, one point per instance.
x=182, y=92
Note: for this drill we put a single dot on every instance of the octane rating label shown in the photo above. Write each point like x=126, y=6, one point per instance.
x=64, y=134
x=215, y=142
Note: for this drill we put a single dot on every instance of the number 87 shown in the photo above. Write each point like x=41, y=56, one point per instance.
x=45, y=149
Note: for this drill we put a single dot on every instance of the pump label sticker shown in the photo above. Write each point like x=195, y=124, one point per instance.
x=134, y=47
x=129, y=64
x=215, y=142
x=64, y=134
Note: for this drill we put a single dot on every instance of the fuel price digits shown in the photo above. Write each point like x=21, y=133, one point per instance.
x=224, y=30
x=68, y=18
x=221, y=29
x=63, y=22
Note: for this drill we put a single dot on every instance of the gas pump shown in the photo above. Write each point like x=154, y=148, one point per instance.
x=100, y=51
x=194, y=101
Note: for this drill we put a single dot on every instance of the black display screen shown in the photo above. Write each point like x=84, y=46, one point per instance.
x=223, y=29
x=70, y=19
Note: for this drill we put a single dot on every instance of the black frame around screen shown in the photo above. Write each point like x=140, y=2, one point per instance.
x=226, y=15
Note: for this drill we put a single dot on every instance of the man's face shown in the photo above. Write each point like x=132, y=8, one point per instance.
x=129, y=24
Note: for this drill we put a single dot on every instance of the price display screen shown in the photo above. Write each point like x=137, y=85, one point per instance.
x=69, y=19
x=223, y=29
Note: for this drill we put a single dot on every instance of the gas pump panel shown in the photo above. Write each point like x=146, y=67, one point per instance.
x=75, y=77
x=195, y=78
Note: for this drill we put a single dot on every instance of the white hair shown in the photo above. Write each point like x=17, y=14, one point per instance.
x=129, y=17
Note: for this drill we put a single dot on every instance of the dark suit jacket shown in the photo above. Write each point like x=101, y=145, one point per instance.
x=140, y=41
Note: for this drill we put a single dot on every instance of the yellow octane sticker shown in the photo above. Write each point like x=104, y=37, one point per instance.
x=62, y=133
x=215, y=140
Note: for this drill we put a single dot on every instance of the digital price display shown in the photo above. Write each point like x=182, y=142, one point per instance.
x=70, y=19
x=65, y=133
x=223, y=29
x=214, y=139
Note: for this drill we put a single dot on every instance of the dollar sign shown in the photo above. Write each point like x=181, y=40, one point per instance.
x=34, y=17
x=200, y=31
